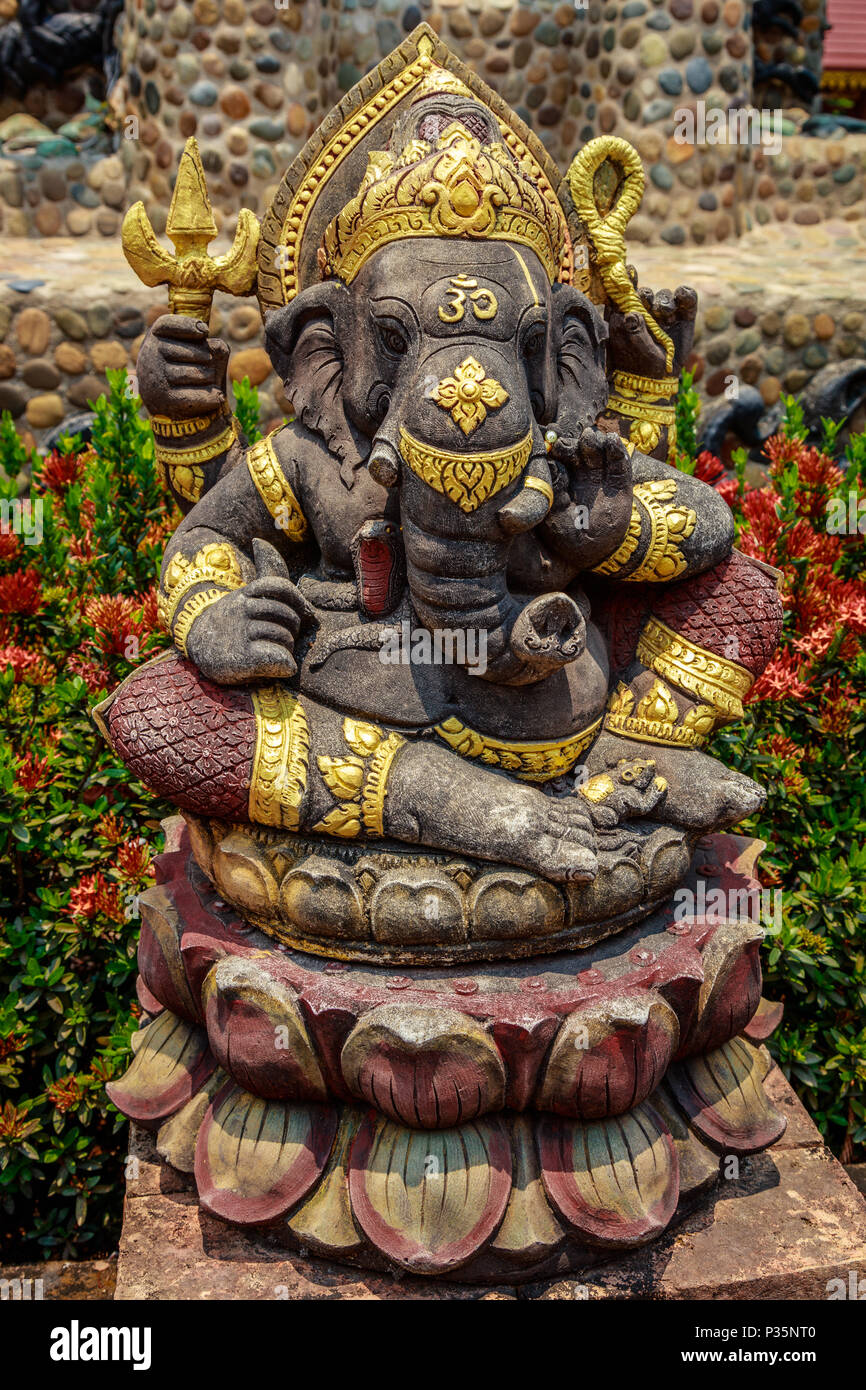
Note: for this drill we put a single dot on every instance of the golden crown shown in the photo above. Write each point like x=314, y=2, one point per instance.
x=456, y=187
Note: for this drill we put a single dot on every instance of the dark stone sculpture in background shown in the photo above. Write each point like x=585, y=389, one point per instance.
x=46, y=40
x=447, y=649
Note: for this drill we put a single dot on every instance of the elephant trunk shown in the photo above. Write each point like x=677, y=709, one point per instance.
x=463, y=588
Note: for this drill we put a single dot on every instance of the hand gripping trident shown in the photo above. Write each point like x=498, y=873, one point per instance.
x=192, y=275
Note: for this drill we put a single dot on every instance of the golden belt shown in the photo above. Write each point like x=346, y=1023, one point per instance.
x=530, y=762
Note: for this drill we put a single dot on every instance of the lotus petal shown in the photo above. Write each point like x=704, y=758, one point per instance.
x=608, y=1056
x=430, y=1068
x=615, y=1182
x=723, y=1098
x=429, y=1200
x=255, y=1159
x=172, y=1061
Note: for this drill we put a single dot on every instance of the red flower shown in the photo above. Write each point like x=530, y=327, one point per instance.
x=95, y=676
x=122, y=622
x=65, y=1094
x=21, y=592
x=133, y=860
x=9, y=545
x=784, y=748
x=60, y=471
x=839, y=707
x=728, y=489
x=816, y=643
x=30, y=668
x=708, y=468
x=110, y=829
x=93, y=896
x=763, y=527
x=30, y=772
x=781, y=680
x=12, y=1043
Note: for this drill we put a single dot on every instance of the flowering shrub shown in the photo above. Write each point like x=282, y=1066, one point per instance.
x=77, y=833
x=77, y=612
x=804, y=739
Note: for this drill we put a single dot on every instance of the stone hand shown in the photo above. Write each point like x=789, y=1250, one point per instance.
x=592, y=506
x=628, y=790
x=250, y=633
x=632, y=346
x=181, y=371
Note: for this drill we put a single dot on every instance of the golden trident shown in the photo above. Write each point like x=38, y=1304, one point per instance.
x=192, y=275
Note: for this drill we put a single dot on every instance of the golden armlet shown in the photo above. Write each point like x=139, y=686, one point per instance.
x=639, y=399
x=274, y=489
x=670, y=523
x=279, y=776
x=721, y=683
x=185, y=466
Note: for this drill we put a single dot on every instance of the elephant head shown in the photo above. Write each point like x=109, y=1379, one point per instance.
x=438, y=361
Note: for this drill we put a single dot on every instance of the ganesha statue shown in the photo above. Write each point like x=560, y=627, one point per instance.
x=448, y=646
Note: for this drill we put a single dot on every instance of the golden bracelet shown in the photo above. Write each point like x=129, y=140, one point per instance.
x=175, y=429
x=200, y=453
x=539, y=485
x=192, y=610
x=650, y=388
x=213, y=564
x=721, y=683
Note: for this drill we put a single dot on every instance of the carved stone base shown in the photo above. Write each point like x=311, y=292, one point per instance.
x=393, y=903
x=504, y=1124
x=747, y=1238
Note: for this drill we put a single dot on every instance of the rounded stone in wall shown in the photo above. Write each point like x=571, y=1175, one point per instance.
x=8, y=362
x=33, y=331
x=108, y=355
x=45, y=411
x=70, y=359
x=11, y=399
x=41, y=374
x=47, y=219
x=89, y=388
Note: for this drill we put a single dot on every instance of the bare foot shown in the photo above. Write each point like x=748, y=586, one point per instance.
x=701, y=793
x=439, y=799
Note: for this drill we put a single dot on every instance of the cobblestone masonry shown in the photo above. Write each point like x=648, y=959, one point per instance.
x=251, y=81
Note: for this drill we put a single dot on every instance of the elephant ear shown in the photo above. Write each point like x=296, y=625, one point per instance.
x=581, y=338
x=303, y=344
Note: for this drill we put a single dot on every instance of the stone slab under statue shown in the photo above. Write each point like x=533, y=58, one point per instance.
x=447, y=650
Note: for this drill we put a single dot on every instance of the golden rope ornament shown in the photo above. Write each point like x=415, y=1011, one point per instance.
x=607, y=233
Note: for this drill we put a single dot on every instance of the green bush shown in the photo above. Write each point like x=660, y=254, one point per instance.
x=77, y=612
x=804, y=739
